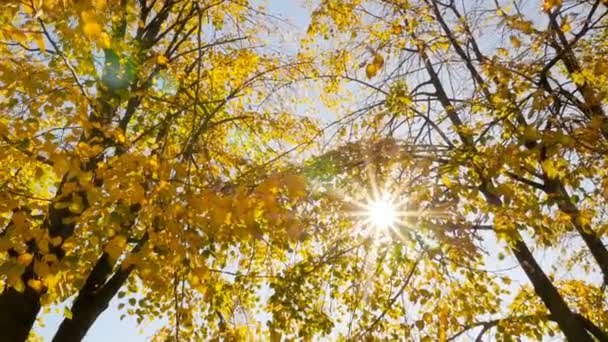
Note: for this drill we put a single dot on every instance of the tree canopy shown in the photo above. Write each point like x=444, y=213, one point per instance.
x=410, y=170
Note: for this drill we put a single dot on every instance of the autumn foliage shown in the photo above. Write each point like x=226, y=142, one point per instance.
x=158, y=157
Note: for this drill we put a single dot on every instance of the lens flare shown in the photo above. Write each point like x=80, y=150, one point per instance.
x=382, y=213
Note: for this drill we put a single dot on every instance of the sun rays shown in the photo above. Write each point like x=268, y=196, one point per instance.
x=382, y=213
x=382, y=210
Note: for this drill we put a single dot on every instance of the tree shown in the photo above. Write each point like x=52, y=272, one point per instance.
x=489, y=132
x=142, y=152
x=146, y=157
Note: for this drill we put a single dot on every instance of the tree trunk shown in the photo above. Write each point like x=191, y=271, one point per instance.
x=572, y=327
x=95, y=296
x=88, y=306
x=592, y=240
x=18, y=312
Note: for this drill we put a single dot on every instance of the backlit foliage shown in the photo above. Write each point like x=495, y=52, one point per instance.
x=151, y=155
x=143, y=144
x=490, y=118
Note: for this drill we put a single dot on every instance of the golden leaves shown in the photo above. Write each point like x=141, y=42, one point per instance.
x=93, y=29
x=376, y=64
x=531, y=134
x=61, y=164
x=515, y=41
x=116, y=246
x=25, y=259
x=98, y=170
x=548, y=5
x=42, y=269
x=35, y=284
x=296, y=185
x=162, y=60
x=13, y=277
x=550, y=167
x=99, y=5
x=39, y=38
x=76, y=206
x=19, y=220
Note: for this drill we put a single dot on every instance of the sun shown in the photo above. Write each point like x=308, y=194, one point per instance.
x=381, y=212
x=379, y=209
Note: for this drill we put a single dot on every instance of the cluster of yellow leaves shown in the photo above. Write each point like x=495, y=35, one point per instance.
x=522, y=146
x=374, y=66
x=197, y=168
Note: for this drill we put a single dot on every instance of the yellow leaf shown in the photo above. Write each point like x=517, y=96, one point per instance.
x=549, y=168
x=52, y=280
x=76, y=205
x=530, y=133
x=40, y=42
x=566, y=26
x=116, y=246
x=194, y=280
x=19, y=220
x=61, y=164
x=427, y=317
x=35, y=284
x=25, y=259
x=104, y=40
x=578, y=78
x=200, y=272
x=91, y=28
x=13, y=278
x=371, y=70
x=296, y=185
x=17, y=36
x=515, y=42
x=129, y=261
x=378, y=60
x=397, y=29
x=443, y=323
x=41, y=269
x=100, y=5
x=162, y=60
x=67, y=313
x=18, y=285
x=56, y=241
x=446, y=181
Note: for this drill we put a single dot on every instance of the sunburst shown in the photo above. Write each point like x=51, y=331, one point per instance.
x=382, y=213
x=382, y=210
